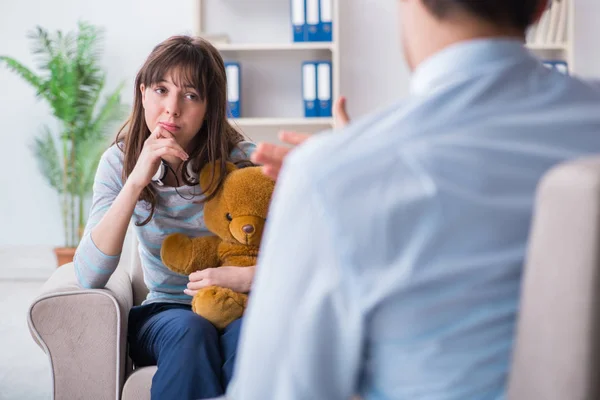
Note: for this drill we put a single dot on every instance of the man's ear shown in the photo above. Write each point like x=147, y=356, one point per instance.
x=143, y=91
x=541, y=7
x=211, y=172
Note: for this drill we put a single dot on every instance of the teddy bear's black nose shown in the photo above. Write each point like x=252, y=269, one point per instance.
x=248, y=229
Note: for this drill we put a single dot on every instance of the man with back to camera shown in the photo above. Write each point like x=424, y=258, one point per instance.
x=391, y=264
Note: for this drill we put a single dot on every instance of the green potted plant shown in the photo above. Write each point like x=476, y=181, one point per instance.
x=71, y=81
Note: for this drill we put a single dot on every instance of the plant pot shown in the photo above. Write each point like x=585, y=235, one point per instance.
x=64, y=255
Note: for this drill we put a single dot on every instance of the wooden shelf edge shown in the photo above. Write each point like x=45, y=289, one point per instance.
x=275, y=46
x=283, y=122
x=555, y=47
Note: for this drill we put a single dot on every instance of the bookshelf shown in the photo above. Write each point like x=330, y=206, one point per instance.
x=271, y=63
x=553, y=37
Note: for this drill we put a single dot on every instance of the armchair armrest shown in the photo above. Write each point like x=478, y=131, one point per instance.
x=84, y=333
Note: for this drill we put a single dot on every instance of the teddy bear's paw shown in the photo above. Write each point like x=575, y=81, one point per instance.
x=175, y=253
x=219, y=305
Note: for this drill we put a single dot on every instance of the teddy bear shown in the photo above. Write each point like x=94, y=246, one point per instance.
x=236, y=217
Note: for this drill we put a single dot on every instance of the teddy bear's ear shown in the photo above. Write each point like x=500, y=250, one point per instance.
x=209, y=176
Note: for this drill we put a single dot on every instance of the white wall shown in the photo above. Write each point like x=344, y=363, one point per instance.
x=587, y=31
x=29, y=212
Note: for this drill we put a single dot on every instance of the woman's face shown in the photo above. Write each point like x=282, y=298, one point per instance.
x=176, y=109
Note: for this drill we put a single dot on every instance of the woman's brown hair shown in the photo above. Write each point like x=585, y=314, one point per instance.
x=197, y=63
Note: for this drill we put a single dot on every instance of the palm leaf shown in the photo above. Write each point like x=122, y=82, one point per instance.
x=86, y=60
x=49, y=162
x=43, y=46
x=88, y=158
x=56, y=89
x=29, y=76
x=112, y=110
x=86, y=120
x=97, y=138
x=89, y=48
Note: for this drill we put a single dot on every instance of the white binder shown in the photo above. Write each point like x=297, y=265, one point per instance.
x=309, y=89
x=312, y=20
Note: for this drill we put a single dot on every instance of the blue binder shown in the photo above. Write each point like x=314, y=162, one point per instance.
x=324, y=88
x=298, y=17
x=312, y=20
x=309, y=89
x=234, y=79
x=325, y=20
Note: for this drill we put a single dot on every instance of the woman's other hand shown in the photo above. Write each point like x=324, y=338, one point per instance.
x=271, y=156
x=238, y=279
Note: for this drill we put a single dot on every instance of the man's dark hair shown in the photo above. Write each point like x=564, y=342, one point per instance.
x=516, y=13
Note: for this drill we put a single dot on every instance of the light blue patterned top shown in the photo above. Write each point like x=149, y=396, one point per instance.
x=174, y=213
x=394, y=249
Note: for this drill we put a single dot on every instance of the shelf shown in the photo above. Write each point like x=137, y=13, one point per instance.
x=283, y=122
x=554, y=47
x=270, y=61
x=275, y=46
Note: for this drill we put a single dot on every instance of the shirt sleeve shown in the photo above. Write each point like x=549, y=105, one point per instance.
x=302, y=332
x=92, y=267
x=243, y=151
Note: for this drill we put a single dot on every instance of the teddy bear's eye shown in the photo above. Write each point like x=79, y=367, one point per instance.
x=229, y=217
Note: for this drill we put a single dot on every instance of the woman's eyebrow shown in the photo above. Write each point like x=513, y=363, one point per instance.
x=172, y=83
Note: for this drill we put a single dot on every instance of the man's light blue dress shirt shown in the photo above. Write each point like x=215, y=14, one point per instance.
x=393, y=253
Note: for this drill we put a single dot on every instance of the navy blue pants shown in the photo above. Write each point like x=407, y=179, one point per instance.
x=194, y=359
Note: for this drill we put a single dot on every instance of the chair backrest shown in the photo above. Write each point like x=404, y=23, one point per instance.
x=556, y=355
x=140, y=290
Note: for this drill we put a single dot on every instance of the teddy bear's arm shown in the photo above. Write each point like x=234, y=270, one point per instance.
x=185, y=255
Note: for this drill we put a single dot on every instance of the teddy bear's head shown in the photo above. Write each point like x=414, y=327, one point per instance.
x=238, y=211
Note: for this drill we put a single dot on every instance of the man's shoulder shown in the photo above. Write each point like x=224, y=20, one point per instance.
x=585, y=89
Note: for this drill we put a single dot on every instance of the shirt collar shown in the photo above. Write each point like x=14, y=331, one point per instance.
x=464, y=59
